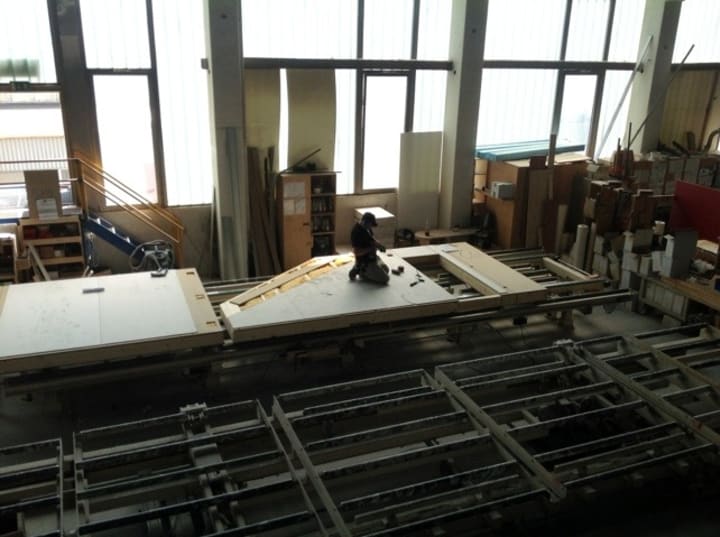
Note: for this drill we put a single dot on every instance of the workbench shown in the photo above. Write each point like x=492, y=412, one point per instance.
x=675, y=297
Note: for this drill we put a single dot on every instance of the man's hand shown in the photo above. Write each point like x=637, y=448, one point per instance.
x=381, y=247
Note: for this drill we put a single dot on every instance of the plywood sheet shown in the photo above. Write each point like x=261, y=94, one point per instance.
x=537, y=195
x=311, y=115
x=67, y=321
x=43, y=193
x=262, y=110
x=419, y=184
x=332, y=301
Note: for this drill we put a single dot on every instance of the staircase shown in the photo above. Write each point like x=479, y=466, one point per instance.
x=107, y=231
x=97, y=190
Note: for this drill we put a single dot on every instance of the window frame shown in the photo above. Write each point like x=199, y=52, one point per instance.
x=154, y=97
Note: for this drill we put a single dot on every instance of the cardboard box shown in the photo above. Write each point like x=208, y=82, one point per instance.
x=387, y=224
x=502, y=190
x=43, y=194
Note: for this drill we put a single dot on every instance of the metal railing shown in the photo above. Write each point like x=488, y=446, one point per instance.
x=93, y=178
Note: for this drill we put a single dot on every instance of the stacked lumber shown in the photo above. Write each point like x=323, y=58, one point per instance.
x=263, y=243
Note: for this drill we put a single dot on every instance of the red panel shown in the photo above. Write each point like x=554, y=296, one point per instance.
x=696, y=207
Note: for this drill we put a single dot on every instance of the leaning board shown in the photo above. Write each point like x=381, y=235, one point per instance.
x=86, y=320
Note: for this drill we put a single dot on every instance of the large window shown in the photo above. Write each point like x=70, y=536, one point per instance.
x=526, y=104
x=626, y=27
x=31, y=129
x=524, y=29
x=125, y=131
x=699, y=21
x=184, y=108
x=295, y=29
x=586, y=36
x=115, y=33
x=384, y=121
x=515, y=105
x=345, y=130
x=615, y=83
x=387, y=29
x=367, y=133
x=26, y=53
x=430, y=89
x=576, y=112
x=434, y=30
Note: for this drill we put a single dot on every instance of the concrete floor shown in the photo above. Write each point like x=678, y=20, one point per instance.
x=51, y=415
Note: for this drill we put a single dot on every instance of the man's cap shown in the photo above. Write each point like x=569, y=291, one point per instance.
x=369, y=218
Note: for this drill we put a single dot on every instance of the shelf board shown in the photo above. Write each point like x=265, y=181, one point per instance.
x=62, y=260
x=322, y=194
x=323, y=233
x=54, y=240
x=57, y=220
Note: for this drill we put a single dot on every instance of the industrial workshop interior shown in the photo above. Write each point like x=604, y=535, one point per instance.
x=353, y=268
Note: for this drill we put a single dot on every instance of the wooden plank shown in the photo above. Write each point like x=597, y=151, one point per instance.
x=43, y=193
x=519, y=289
x=267, y=260
x=566, y=272
x=419, y=183
x=311, y=115
x=538, y=184
x=506, y=212
x=590, y=250
x=288, y=276
x=3, y=297
x=704, y=294
x=262, y=109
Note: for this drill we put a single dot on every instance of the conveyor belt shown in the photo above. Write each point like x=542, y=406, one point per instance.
x=507, y=442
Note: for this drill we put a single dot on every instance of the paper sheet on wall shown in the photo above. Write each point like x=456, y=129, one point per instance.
x=289, y=207
x=294, y=189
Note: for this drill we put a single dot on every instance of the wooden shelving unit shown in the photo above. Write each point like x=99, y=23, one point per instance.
x=58, y=242
x=306, y=216
x=8, y=253
x=322, y=212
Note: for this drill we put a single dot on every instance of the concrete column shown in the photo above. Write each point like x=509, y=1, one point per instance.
x=76, y=93
x=227, y=109
x=649, y=87
x=467, y=42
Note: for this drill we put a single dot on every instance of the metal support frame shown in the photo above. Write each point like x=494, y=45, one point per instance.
x=31, y=485
x=398, y=454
